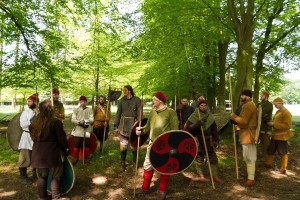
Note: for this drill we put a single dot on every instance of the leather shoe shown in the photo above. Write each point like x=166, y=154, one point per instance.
x=218, y=180
x=140, y=192
x=202, y=179
x=281, y=171
x=268, y=166
x=248, y=183
x=161, y=195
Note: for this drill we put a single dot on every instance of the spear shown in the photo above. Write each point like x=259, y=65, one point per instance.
x=206, y=152
x=107, y=110
x=138, y=145
x=233, y=130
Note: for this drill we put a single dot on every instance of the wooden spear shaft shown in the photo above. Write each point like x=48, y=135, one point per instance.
x=233, y=130
x=138, y=147
x=206, y=152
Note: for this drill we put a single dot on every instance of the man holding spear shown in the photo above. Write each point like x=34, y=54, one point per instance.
x=202, y=125
x=247, y=121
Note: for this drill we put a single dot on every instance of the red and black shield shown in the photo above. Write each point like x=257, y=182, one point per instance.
x=173, y=152
x=93, y=146
x=134, y=138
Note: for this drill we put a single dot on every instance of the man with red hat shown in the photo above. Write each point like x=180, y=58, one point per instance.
x=202, y=118
x=59, y=110
x=246, y=120
x=266, y=116
x=127, y=114
x=161, y=119
x=26, y=143
x=82, y=117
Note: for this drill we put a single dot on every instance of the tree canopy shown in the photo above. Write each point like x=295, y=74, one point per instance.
x=180, y=47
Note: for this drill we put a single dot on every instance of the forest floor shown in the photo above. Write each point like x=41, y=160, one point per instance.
x=101, y=179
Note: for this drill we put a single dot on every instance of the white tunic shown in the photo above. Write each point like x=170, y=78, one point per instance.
x=26, y=141
x=79, y=114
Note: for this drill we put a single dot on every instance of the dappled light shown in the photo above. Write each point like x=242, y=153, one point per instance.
x=99, y=180
x=4, y=193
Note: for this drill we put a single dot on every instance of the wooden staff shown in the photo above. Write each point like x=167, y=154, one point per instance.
x=206, y=152
x=51, y=92
x=138, y=146
x=104, y=133
x=233, y=130
x=83, y=145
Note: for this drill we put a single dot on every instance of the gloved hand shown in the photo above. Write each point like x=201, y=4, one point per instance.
x=233, y=122
x=81, y=123
x=201, y=123
x=86, y=125
x=138, y=131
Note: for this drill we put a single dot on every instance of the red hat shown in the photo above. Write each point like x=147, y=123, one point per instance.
x=82, y=98
x=266, y=94
x=55, y=91
x=33, y=98
x=161, y=96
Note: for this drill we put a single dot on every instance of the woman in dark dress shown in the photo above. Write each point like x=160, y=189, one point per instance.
x=50, y=145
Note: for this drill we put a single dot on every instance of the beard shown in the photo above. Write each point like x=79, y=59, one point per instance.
x=101, y=103
x=33, y=106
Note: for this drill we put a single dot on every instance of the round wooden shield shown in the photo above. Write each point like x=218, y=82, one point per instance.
x=134, y=138
x=173, y=152
x=66, y=180
x=93, y=146
x=14, y=132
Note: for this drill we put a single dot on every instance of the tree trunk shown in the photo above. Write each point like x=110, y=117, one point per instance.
x=222, y=48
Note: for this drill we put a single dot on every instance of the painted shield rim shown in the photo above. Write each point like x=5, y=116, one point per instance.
x=191, y=136
x=143, y=138
x=73, y=182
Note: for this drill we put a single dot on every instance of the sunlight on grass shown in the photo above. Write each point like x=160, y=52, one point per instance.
x=4, y=193
x=100, y=180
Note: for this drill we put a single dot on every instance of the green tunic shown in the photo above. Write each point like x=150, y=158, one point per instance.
x=161, y=121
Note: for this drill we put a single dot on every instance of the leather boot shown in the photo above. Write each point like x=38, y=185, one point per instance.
x=23, y=176
x=218, y=180
x=161, y=195
x=122, y=166
x=248, y=183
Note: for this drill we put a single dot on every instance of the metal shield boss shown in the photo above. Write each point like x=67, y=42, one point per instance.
x=134, y=138
x=172, y=152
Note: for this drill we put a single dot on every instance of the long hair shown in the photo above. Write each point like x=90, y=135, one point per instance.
x=129, y=88
x=46, y=114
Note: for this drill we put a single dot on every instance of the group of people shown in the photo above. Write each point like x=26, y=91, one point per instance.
x=274, y=133
x=43, y=133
